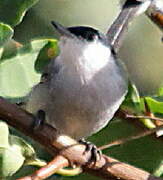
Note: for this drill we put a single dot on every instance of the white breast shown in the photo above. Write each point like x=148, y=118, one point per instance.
x=86, y=57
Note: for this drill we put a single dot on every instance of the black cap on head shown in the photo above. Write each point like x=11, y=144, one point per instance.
x=83, y=32
x=131, y=3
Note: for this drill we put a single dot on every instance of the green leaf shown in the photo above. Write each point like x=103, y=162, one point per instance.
x=132, y=100
x=17, y=74
x=148, y=123
x=160, y=91
x=11, y=159
x=6, y=32
x=49, y=51
x=135, y=104
x=27, y=151
x=4, y=133
x=155, y=104
x=1, y=51
x=159, y=170
x=14, y=153
x=10, y=49
x=12, y=12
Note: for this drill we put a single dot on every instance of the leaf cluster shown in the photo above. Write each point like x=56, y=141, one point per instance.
x=20, y=69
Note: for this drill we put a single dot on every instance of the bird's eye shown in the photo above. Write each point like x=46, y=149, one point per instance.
x=90, y=36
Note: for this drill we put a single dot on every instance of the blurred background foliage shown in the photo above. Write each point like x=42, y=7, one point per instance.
x=142, y=48
x=22, y=59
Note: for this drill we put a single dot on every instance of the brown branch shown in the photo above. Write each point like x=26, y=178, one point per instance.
x=155, y=13
x=51, y=168
x=106, y=167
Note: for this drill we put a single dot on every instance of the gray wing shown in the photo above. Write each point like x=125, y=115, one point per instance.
x=39, y=96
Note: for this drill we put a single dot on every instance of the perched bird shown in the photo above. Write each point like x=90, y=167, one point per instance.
x=82, y=88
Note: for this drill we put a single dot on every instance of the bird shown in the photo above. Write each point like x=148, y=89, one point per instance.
x=81, y=89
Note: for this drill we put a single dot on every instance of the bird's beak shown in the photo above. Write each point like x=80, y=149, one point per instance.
x=62, y=30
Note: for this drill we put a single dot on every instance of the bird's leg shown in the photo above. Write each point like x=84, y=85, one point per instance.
x=95, y=153
x=39, y=119
x=21, y=104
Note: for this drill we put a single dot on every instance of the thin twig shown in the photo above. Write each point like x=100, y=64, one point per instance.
x=137, y=136
x=143, y=117
x=134, y=137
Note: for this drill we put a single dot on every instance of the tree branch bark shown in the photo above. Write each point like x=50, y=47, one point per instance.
x=155, y=13
x=106, y=167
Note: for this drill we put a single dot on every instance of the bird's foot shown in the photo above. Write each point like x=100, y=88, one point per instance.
x=95, y=153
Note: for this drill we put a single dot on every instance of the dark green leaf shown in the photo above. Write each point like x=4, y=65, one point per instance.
x=155, y=104
x=6, y=33
x=160, y=91
x=12, y=12
x=132, y=100
x=49, y=51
